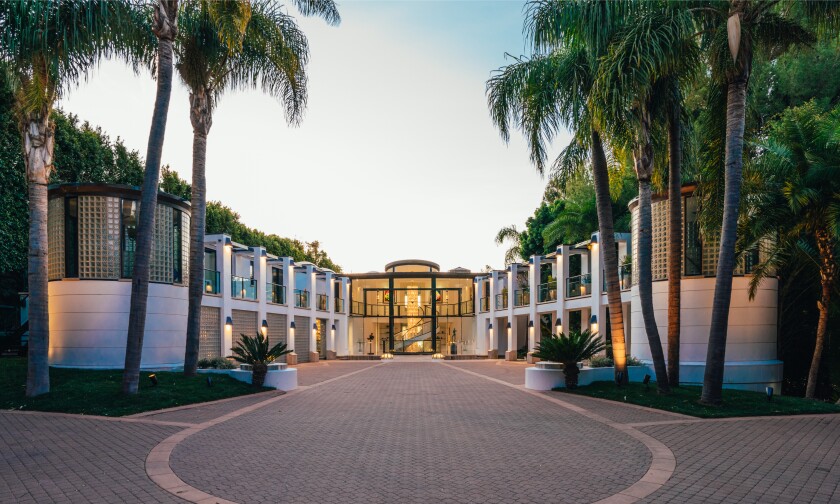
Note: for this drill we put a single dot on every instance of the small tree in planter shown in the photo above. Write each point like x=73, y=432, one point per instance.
x=255, y=351
x=569, y=350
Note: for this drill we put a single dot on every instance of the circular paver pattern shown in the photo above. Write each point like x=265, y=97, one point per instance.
x=411, y=432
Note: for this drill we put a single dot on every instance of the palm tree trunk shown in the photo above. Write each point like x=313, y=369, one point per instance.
x=827, y=274
x=165, y=27
x=201, y=117
x=674, y=246
x=38, y=140
x=715, y=357
x=646, y=285
x=603, y=202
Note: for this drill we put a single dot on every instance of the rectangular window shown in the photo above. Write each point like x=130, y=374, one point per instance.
x=210, y=259
x=693, y=259
x=71, y=238
x=129, y=236
x=277, y=276
x=177, y=252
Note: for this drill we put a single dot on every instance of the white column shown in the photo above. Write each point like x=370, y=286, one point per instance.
x=289, y=283
x=562, y=275
x=260, y=277
x=597, y=308
x=310, y=274
x=224, y=256
x=330, y=286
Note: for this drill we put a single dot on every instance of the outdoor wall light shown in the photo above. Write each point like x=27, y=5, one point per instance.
x=228, y=323
x=559, y=326
x=508, y=325
x=490, y=327
x=593, y=323
x=264, y=328
x=292, y=325
x=530, y=324
x=769, y=391
x=228, y=243
x=153, y=379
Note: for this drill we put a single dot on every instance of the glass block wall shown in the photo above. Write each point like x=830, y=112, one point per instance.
x=99, y=237
x=55, y=235
x=209, y=335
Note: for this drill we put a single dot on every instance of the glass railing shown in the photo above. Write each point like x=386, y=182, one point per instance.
x=243, y=288
x=339, y=305
x=468, y=307
x=522, y=297
x=275, y=293
x=547, y=292
x=484, y=305
x=625, y=277
x=301, y=298
x=211, y=281
x=321, y=302
x=578, y=286
x=357, y=308
x=501, y=301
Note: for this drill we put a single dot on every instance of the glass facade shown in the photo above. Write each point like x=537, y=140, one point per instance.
x=412, y=308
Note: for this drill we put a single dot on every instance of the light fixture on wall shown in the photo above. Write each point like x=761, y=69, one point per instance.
x=228, y=243
x=593, y=323
x=264, y=328
x=228, y=323
x=559, y=326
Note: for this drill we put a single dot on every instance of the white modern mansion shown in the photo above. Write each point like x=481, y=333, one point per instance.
x=410, y=307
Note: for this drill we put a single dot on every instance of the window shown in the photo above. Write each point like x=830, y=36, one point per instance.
x=210, y=259
x=129, y=236
x=71, y=238
x=277, y=276
x=177, y=269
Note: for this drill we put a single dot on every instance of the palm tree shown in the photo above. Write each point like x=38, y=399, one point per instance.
x=512, y=235
x=550, y=90
x=272, y=55
x=165, y=28
x=796, y=213
x=45, y=47
x=569, y=349
x=257, y=352
x=733, y=31
x=638, y=84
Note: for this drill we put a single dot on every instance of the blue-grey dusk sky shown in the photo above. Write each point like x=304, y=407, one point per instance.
x=396, y=156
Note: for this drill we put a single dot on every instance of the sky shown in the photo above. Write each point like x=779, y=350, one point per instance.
x=396, y=156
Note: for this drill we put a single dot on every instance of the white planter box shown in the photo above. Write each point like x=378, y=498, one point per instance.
x=280, y=378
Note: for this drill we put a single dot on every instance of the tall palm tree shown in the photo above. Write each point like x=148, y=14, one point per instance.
x=45, y=47
x=165, y=28
x=550, y=90
x=512, y=235
x=733, y=31
x=271, y=55
x=638, y=88
x=796, y=213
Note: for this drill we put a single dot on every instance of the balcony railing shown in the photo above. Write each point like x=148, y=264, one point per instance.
x=547, y=292
x=468, y=307
x=501, y=301
x=625, y=277
x=275, y=293
x=522, y=297
x=211, y=281
x=578, y=286
x=357, y=308
x=339, y=305
x=301, y=298
x=484, y=305
x=321, y=302
x=243, y=288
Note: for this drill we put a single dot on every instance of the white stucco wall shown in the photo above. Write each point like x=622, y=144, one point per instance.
x=89, y=324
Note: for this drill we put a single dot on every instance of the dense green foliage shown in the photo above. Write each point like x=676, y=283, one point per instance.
x=97, y=392
x=736, y=403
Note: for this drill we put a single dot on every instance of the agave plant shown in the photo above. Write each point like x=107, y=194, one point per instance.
x=569, y=350
x=256, y=352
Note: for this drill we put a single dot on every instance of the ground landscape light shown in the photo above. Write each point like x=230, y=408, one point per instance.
x=153, y=379
x=769, y=391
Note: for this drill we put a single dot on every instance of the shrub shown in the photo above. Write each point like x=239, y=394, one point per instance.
x=256, y=352
x=215, y=363
x=604, y=361
x=570, y=349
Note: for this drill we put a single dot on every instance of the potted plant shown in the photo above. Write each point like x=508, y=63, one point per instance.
x=569, y=350
x=256, y=353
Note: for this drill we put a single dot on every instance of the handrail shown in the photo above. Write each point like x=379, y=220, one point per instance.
x=625, y=277
x=522, y=297
x=501, y=301
x=275, y=293
x=579, y=286
x=339, y=305
x=484, y=304
x=301, y=298
x=547, y=292
x=243, y=288
x=321, y=302
x=211, y=281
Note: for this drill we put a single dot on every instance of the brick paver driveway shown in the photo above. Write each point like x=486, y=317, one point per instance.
x=417, y=432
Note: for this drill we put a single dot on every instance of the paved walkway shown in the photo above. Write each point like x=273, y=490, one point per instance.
x=460, y=431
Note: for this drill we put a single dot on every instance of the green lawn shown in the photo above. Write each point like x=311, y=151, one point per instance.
x=97, y=392
x=684, y=400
